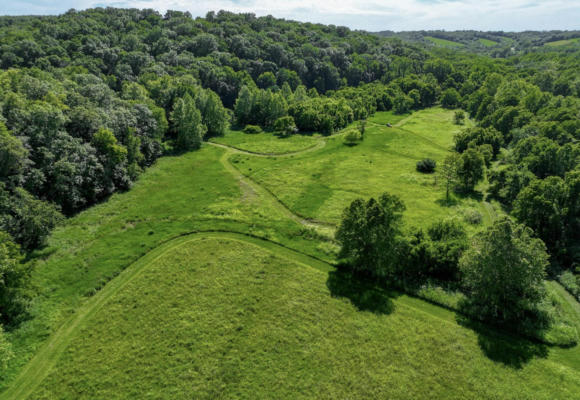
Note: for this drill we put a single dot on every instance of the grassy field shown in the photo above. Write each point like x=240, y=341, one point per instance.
x=563, y=42
x=230, y=319
x=267, y=142
x=320, y=184
x=134, y=271
x=192, y=192
x=444, y=42
x=487, y=42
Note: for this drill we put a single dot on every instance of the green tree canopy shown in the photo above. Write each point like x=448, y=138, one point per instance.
x=504, y=272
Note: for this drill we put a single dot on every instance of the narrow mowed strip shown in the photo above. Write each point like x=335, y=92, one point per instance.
x=225, y=316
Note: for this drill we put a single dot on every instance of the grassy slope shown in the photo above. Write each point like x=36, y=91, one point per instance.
x=321, y=184
x=563, y=42
x=198, y=191
x=241, y=322
x=444, y=42
x=487, y=42
x=178, y=195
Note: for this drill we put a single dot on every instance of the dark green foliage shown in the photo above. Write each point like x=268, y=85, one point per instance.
x=450, y=98
x=459, y=117
x=506, y=183
x=26, y=218
x=426, y=166
x=477, y=136
x=470, y=169
x=435, y=255
x=504, y=273
x=14, y=277
x=370, y=235
x=448, y=242
x=550, y=208
x=402, y=104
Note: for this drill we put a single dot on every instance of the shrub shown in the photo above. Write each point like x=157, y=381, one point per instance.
x=285, y=125
x=472, y=216
x=459, y=117
x=252, y=129
x=427, y=166
x=352, y=138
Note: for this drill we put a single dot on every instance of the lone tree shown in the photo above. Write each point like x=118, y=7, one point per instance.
x=448, y=172
x=362, y=124
x=370, y=235
x=504, y=272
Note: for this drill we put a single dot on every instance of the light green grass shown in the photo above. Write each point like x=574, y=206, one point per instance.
x=322, y=183
x=444, y=42
x=221, y=318
x=180, y=194
x=267, y=142
x=564, y=42
x=353, y=354
x=487, y=42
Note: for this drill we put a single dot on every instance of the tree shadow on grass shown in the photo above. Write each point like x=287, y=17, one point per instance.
x=509, y=349
x=363, y=294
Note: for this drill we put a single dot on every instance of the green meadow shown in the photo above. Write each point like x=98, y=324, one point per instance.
x=232, y=319
x=563, y=42
x=213, y=278
x=487, y=42
x=319, y=185
x=444, y=42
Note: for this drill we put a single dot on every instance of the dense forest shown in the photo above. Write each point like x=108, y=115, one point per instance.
x=90, y=99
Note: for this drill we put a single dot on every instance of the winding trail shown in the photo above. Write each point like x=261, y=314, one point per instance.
x=324, y=228
x=45, y=359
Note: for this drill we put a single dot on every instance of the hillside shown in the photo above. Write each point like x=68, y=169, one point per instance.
x=147, y=234
x=234, y=206
x=252, y=320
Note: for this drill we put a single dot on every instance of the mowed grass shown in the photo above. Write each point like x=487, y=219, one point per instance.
x=487, y=42
x=219, y=318
x=444, y=42
x=564, y=42
x=181, y=194
x=320, y=184
x=267, y=142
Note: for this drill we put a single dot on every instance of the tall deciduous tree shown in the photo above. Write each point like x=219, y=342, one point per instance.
x=470, y=169
x=370, y=235
x=187, y=123
x=504, y=272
